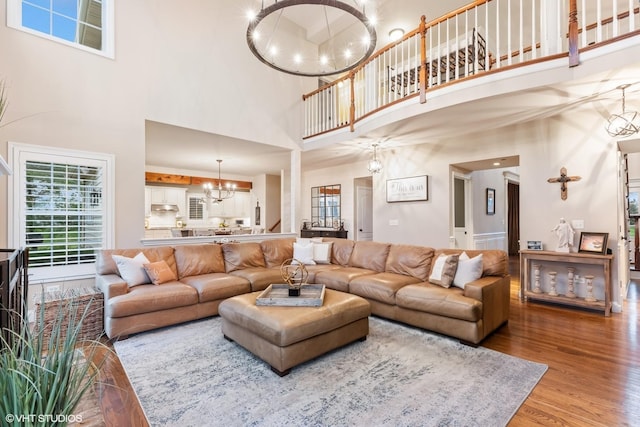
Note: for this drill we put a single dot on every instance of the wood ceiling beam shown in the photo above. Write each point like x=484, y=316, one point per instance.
x=164, y=178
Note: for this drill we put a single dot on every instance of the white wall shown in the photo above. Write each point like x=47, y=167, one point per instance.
x=184, y=64
x=481, y=180
x=330, y=176
x=576, y=141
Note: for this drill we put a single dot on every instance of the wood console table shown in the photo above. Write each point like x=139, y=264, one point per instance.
x=340, y=234
x=527, y=287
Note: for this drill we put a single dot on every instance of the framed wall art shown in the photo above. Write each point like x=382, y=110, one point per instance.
x=407, y=189
x=593, y=243
x=491, y=201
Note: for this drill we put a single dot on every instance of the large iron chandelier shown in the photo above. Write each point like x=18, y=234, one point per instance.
x=626, y=123
x=218, y=193
x=312, y=38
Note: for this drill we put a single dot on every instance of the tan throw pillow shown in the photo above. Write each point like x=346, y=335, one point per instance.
x=159, y=272
x=131, y=269
x=444, y=270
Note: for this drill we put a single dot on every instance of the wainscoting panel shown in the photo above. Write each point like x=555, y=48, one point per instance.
x=490, y=241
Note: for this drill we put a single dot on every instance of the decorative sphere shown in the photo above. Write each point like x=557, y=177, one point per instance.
x=294, y=273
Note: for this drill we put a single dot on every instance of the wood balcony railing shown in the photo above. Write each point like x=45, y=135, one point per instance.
x=485, y=36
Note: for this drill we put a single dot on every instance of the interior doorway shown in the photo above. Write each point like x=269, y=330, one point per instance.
x=363, y=205
x=513, y=217
x=628, y=215
x=462, y=211
x=485, y=204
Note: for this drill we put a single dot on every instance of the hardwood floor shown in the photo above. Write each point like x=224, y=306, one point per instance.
x=593, y=377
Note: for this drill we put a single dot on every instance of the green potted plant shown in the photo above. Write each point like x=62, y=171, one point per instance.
x=44, y=376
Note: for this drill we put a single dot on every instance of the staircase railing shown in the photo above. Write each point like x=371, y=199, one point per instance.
x=485, y=36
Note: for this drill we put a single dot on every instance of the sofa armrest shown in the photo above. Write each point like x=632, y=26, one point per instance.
x=494, y=293
x=111, y=285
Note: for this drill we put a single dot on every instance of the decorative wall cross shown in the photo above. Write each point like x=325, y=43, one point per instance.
x=563, y=179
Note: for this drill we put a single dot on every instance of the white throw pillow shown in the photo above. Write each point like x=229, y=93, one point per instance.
x=322, y=252
x=132, y=269
x=469, y=269
x=303, y=254
x=308, y=240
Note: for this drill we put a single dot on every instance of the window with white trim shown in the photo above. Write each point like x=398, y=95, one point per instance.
x=62, y=201
x=196, y=208
x=86, y=24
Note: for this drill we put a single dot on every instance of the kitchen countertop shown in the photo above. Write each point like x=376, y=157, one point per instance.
x=172, y=241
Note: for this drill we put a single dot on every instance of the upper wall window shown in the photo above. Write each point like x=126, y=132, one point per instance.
x=87, y=24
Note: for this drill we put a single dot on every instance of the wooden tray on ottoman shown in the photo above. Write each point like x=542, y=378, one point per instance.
x=278, y=295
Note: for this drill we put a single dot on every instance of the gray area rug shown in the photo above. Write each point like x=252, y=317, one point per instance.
x=189, y=375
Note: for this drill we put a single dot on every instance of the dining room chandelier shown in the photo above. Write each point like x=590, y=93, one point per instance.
x=625, y=123
x=312, y=38
x=218, y=193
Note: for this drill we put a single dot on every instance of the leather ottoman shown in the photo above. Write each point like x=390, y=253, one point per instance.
x=287, y=336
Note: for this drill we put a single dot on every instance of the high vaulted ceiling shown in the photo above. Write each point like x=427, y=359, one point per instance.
x=450, y=112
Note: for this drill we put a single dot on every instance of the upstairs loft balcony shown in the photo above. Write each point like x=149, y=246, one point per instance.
x=459, y=54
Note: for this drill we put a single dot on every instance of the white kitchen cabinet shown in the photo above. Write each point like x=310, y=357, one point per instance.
x=239, y=206
x=242, y=205
x=168, y=195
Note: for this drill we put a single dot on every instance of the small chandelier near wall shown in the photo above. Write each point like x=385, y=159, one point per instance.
x=312, y=38
x=626, y=123
x=217, y=193
x=374, y=165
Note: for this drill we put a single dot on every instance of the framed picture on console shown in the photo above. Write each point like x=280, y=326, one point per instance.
x=593, y=243
x=534, y=245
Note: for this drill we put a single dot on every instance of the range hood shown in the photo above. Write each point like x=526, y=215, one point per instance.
x=161, y=207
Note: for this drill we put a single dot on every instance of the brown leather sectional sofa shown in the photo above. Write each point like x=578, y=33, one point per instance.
x=394, y=278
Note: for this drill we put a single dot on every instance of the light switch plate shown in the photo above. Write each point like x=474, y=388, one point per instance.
x=577, y=224
x=393, y=222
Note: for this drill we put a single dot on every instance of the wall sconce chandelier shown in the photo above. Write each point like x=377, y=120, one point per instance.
x=374, y=165
x=216, y=193
x=626, y=123
x=312, y=38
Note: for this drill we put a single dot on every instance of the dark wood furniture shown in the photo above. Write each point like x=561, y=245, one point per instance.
x=340, y=234
x=13, y=291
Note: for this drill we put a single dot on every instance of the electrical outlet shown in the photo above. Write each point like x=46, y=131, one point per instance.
x=577, y=224
x=53, y=288
x=393, y=222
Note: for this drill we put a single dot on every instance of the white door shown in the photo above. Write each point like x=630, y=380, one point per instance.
x=364, y=220
x=461, y=212
x=624, y=273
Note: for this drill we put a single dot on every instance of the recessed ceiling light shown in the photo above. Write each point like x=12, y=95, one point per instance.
x=396, y=34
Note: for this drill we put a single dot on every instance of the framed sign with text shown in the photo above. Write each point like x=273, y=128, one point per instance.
x=410, y=189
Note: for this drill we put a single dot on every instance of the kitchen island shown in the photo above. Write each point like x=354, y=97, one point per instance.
x=191, y=240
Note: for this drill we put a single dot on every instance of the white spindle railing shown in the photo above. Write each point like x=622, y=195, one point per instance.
x=485, y=35
x=602, y=20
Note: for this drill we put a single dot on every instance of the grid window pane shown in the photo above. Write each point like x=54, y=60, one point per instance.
x=75, y=21
x=64, y=28
x=36, y=18
x=66, y=7
x=64, y=213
